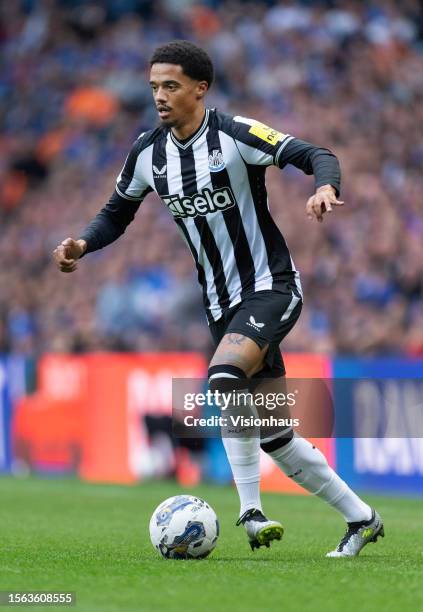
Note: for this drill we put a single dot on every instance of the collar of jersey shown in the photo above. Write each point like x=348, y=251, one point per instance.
x=194, y=137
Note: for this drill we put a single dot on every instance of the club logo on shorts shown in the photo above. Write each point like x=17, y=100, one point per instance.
x=252, y=323
x=201, y=203
x=216, y=162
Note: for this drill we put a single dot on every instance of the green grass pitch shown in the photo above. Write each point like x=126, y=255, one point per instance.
x=93, y=539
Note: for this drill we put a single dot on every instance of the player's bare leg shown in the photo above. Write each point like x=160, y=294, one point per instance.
x=236, y=359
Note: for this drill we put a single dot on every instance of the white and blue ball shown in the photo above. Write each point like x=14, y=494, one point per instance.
x=184, y=527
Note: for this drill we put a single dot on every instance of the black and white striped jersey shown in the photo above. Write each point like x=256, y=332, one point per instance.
x=214, y=186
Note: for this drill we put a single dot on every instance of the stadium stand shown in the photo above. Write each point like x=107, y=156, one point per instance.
x=74, y=94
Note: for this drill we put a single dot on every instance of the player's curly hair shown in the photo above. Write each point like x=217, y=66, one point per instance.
x=194, y=61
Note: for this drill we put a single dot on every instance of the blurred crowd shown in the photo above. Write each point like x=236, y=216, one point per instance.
x=347, y=75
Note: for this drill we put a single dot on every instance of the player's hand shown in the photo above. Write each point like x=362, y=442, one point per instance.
x=67, y=254
x=322, y=201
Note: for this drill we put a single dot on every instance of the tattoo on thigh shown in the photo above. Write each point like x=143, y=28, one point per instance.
x=235, y=339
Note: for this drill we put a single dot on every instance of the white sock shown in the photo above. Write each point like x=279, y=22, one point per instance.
x=244, y=458
x=242, y=444
x=305, y=464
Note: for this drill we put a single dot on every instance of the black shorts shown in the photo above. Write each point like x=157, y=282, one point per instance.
x=266, y=317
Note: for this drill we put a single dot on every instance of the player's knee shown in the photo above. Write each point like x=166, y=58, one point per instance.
x=241, y=352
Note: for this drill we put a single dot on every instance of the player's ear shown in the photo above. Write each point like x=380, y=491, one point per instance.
x=201, y=89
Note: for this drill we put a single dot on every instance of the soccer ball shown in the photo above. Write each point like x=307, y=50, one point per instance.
x=184, y=527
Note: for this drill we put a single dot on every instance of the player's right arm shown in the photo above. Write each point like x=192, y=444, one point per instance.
x=113, y=219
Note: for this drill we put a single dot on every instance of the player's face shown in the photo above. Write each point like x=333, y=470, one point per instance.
x=176, y=95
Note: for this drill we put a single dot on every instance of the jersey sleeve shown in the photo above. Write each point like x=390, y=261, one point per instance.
x=262, y=145
x=110, y=223
x=258, y=144
x=312, y=159
x=113, y=219
x=131, y=183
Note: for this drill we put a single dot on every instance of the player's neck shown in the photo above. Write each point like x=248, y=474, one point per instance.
x=181, y=132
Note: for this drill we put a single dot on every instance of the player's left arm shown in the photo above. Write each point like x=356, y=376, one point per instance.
x=321, y=162
x=262, y=145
